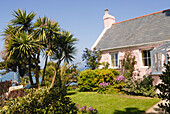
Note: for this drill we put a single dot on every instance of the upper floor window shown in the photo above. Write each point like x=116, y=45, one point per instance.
x=146, y=58
x=114, y=59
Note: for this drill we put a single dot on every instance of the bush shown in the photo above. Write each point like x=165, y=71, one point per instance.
x=4, y=86
x=41, y=101
x=103, y=87
x=89, y=80
x=119, y=83
x=11, y=95
x=164, y=87
x=142, y=87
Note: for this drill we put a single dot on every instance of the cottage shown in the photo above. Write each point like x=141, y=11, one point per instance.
x=147, y=36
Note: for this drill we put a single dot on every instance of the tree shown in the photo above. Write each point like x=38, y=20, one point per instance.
x=92, y=58
x=64, y=51
x=23, y=20
x=164, y=88
x=21, y=24
x=46, y=31
x=22, y=47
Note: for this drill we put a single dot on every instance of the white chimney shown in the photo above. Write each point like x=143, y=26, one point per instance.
x=108, y=19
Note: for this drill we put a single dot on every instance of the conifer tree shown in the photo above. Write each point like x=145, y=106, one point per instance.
x=164, y=88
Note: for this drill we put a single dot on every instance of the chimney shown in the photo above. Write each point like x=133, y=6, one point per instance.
x=108, y=19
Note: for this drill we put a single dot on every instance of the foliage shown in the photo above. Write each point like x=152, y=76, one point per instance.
x=164, y=88
x=105, y=65
x=89, y=80
x=140, y=86
x=118, y=84
x=23, y=20
x=103, y=87
x=89, y=110
x=18, y=37
x=69, y=73
x=13, y=94
x=128, y=64
x=49, y=73
x=24, y=81
x=120, y=78
x=41, y=101
x=115, y=72
x=91, y=57
x=65, y=49
x=4, y=86
x=86, y=80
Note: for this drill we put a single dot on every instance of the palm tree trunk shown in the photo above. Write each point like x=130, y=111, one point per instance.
x=37, y=74
x=55, y=74
x=37, y=69
x=29, y=70
x=44, y=68
x=53, y=80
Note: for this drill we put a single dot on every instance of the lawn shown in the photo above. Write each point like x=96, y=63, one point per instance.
x=113, y=103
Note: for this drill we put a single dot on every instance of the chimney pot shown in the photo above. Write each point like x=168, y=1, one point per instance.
x=106, y=11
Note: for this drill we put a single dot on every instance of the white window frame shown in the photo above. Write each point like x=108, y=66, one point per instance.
x=110, y=62
x=141, y=59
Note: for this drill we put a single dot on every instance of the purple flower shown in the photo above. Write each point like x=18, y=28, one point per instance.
x=91, y=109
x=77, y=106
x=83, y=109
x=120, y=78
x=104, y=84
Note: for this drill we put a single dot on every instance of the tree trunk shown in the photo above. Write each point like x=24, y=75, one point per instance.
x=37, y=68
x=53, y=80
x=29, y=70
x=55, y=74
x=37, y=74
x=44, y=69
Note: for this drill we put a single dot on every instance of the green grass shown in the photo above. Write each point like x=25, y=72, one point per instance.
x=113, y=103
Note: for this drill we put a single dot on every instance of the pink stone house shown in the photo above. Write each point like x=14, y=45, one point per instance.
x=144, y=35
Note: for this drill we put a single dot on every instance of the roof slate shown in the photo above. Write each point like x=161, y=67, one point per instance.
x=142, y=30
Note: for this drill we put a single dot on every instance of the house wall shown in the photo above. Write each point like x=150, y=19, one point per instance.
x=139, y=68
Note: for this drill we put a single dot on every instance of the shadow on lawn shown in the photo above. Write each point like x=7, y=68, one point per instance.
x=71, y=93
x=129, y=111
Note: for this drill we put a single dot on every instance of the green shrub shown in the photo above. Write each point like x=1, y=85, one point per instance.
x=11, y=95
x=165, y=88
x=89, y=80
x=142, y=87
x=41, y=101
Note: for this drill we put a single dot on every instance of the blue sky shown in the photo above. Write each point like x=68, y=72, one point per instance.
x=84, y=18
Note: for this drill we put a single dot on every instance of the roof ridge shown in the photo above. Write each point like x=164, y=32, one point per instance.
x=142, y=16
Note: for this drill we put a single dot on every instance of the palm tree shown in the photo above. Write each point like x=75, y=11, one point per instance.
x=13, y=62
x=23, y=20
x=22, y=46
x=46, y=31
x=64, y=51
x=21, y=23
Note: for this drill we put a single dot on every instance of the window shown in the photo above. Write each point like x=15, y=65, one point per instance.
x=114, y=59
x=146, y=58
